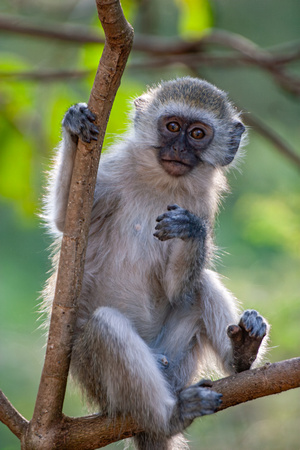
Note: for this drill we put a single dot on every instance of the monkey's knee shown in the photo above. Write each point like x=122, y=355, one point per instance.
x=111, y=354
x=109, y=319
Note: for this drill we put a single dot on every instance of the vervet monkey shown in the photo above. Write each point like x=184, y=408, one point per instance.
x=151, y=311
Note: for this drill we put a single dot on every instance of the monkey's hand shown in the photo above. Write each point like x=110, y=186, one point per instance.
x=78, y=121
x=179, y=223
x=246, y=338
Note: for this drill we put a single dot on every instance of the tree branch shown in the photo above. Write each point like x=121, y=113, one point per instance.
x=248, y=51
x=66, y=33
x=91, y=432
x=280, y=54
x=263, y=381
x=268, y=133
x=46, y=75
x=11, y=417
x=48, y=409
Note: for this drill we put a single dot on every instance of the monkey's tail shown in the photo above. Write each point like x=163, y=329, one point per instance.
x=146, y=441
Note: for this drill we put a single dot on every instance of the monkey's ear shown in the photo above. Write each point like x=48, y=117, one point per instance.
x=234, y=142
x=141, y=102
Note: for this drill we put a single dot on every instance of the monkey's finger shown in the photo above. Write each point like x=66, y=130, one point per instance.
x=94, y=135
x=83, y=108
x=176, y=217
x=94, y=138
x=159, y=226
x=88, y=133
x=172, y=207
x=94, y=129
x=166, y=236
x=161, y=217
x=167, y=223
x=170, y=226
x=91, y=116
x=89, y=128
x=85, y=136
x=159, y=235
x=163, y=236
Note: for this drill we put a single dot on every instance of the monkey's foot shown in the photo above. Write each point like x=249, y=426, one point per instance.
x=196, y=401
x=246, y=338
x=179, y=223
x=78, y=121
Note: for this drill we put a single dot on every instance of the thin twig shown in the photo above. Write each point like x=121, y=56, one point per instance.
x=67, y=33
x=280, y=54
x=250, y=52
x=268, y=133
x=45, y=75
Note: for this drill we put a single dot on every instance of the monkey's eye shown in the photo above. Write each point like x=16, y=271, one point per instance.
x=197, y=133
x=174, y=127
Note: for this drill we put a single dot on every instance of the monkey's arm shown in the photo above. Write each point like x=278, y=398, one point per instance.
x=237, y=345
x=77, y=123
x=188, y=253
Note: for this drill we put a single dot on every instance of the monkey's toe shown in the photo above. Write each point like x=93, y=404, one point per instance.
x=234, y=332
x=199, y=401
x=254, y=324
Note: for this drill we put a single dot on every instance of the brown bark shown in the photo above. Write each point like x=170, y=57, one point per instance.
x=261, y=382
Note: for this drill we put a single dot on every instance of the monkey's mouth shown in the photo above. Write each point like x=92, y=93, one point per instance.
x=174, y=167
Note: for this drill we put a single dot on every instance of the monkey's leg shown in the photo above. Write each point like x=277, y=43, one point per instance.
x=119, y=371
x=193, y=401
x=178, y=342
x=246, y=338
x=218, y=310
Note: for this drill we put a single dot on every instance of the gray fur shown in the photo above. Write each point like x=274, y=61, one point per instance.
x=150, y=310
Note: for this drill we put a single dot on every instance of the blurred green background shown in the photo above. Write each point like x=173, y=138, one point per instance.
x=258, y=229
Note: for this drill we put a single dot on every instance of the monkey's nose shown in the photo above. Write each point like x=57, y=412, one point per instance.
x=179, y=149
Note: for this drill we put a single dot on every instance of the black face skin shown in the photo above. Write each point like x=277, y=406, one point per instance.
x=182, y=144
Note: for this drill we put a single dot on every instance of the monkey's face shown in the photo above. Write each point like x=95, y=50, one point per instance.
x=182, y=143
